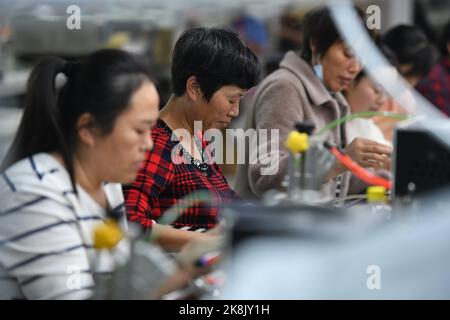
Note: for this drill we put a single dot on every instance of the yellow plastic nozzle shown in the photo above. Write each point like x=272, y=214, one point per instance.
x=376, y=193
x=107, y=235
x=297, y=142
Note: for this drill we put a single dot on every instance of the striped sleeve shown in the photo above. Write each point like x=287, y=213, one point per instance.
x=41, y=247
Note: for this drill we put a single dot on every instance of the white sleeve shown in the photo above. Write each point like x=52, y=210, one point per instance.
x=42, y=248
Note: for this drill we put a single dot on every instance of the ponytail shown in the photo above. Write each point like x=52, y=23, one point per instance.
x=40, y=128
x=101, y=85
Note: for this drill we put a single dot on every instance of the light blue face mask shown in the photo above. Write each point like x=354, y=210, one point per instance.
x=318, y=70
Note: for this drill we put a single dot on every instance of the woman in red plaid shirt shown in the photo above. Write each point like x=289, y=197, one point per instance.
x=211, y=71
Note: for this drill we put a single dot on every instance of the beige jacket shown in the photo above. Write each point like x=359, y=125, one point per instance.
x=291, y=94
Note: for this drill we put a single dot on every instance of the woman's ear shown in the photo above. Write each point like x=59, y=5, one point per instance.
x=85, y=128
x=193, y=88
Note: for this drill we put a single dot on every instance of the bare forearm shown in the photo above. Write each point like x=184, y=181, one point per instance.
x=173, y=239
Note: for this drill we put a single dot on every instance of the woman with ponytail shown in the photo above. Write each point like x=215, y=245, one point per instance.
x=75, y=146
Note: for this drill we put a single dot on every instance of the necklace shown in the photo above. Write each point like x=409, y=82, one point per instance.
x=200, y=165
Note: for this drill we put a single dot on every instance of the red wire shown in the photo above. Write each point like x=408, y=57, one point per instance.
x=363, y=174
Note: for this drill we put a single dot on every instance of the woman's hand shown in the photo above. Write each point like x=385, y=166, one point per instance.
x=196, y=248
x=370, y=154
x=367, y=153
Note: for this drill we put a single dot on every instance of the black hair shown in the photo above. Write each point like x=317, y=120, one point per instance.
x=101, y=85
x=216, y=57
x=320, y=29
x=411, y=46
x=445, y=39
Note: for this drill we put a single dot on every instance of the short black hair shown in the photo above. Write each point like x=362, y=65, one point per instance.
x=411, y=46
x=445, y=39
x=216, y=57
x=320, y=29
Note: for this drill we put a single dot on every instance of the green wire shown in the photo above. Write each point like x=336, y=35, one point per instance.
x=178, y=208
x=182, y=204
x=368, y=114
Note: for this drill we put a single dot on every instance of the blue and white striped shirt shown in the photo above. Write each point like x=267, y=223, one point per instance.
x=46, y=232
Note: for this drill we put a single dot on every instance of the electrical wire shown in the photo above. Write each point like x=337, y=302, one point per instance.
x=363, y=174
x=367, y=114
x=351, y=197
x=175, y=211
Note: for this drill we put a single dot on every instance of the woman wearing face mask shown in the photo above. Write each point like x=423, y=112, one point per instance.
x=307, y=87
x=62, y=176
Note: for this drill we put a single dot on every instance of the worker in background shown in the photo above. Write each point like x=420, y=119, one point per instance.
x=366, y=95
x=307, y=87
x=436, y=85
x=415, y=56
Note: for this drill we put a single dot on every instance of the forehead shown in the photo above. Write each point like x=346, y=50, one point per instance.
x=144, y=100
x=366, y=80
x=144, y=93
x=335, y=50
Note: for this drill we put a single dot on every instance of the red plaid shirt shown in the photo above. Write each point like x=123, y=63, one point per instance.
x=160, y=184
x=436, y=86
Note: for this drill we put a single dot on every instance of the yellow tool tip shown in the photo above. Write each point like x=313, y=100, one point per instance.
x=107, y=235
x=297, y=142
x=376, y=193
